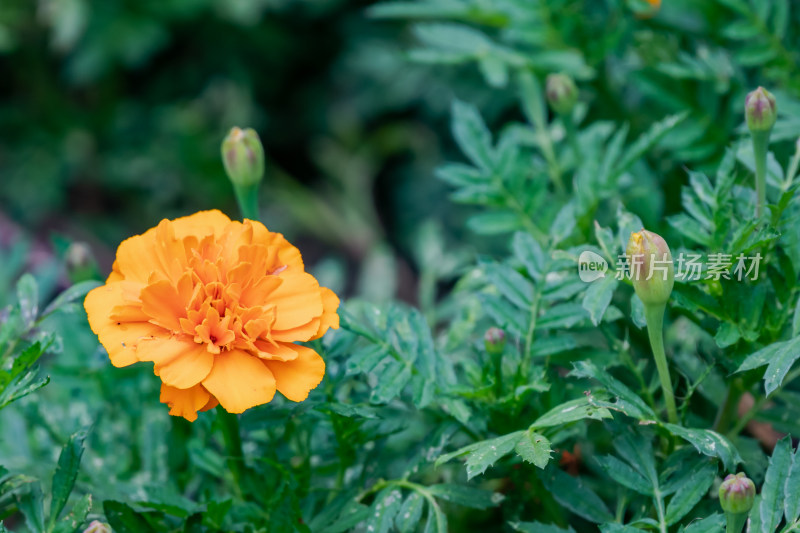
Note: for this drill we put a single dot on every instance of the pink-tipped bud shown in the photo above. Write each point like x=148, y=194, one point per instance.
x=651, y=267
x=97, y=527
x=760, y=110
x=561, y=93
x=736, y=494
x=243, y=157
x=495, y=340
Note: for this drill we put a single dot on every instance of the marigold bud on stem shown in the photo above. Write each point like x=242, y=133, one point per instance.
x=95, y=526
x=652, y=270
x=495, y=340
x=736, y=494
x=243, y=157
x=561, y=92
x=760, y=110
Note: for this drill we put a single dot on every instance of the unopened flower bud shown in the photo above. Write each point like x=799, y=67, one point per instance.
x=561, y=92
x=80, y=262
x=652, y=271
x=736, y=494
x=243, y=156
x=495, y=340
x=78, y=256
x=760, y=110
x=95, y=526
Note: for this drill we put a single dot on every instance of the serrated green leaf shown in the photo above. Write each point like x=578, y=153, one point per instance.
x=28, y=298
x=76, y=516
x=511, y=284
x=472, y=135
x=689, y=493
x=710, y=524
x=538, y=527
x=624, y=475
x=31, y=504
x=562, y=316
x=65, y=475
x=409, y=515
x=437, y=520
x=598, y=296
x=392, y=378
x=627, y=400
x=571, y=411
x=791, y=502
x=619, y=528
x=75, y=292
x=481, y=455
x=353, y=514
x=780, y=356
x=709, y=443
x=645, y=142
x=494, y=222
x=529, y=252
x=384, y=509
x=123, y=519
x=771, y=508
x=534, y=448
x=573, y=494
x=467, y=496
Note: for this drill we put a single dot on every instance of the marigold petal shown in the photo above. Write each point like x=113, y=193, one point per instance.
x=180, y=362
x=286, y=254
x=119, y=338
x=136, y=257
x=185, y=402
x=329, y=318
x=240, y=381
x=284, y=351
x=162, y=303
x=295, y=379
x=299, y=334
x=297, y=300
x=201, y=224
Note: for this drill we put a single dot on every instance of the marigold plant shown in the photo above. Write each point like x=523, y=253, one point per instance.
x=217, y=306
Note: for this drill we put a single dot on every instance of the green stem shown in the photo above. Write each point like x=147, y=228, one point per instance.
x=760, y=146
x=247, y=198
x=654, y=315
x=498, y=373
x=728, y=408
x=735, y=522
x=233, y=444
x=572, y=135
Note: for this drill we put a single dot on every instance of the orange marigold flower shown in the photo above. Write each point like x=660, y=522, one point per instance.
x=217, y=306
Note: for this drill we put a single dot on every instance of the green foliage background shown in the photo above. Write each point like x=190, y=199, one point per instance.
x=411, y=156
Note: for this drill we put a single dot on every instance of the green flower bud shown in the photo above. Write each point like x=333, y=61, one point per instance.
x=243, y=156
x=80, y=263
x=495, y=340
x=736, y=494
x=561, y=92
x=760, y=110
x=652, y=271
x=97, y=527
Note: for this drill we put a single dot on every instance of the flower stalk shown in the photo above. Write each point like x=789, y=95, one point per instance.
x=231, y=435
x=655, y=326
x=760, y=114
x=652, y=275
x=243, y=157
